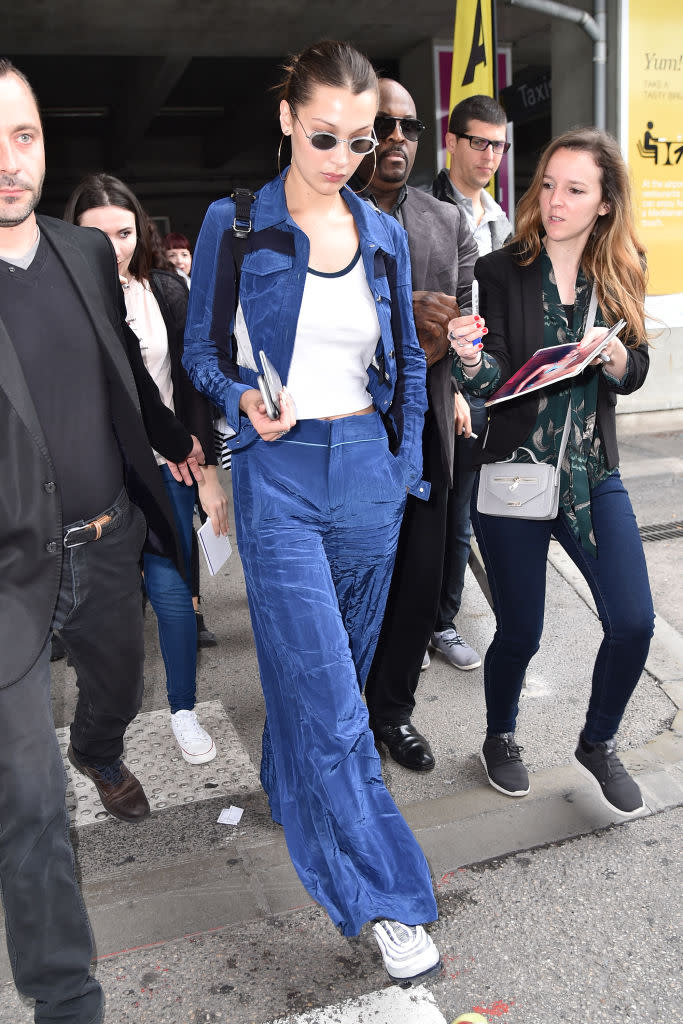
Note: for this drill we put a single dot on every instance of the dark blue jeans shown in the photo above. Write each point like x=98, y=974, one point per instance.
x=458, y=530
x=99, y=615
x=171, y=598
x=515, y=553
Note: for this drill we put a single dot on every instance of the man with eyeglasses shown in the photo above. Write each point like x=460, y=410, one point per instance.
x=476, y=141
x=442, y=255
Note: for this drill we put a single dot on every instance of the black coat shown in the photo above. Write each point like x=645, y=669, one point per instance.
x=511, y=301
x=31, y=527
x=192, y=408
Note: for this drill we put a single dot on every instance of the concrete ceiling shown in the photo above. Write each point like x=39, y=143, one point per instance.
x=171, y=90
x=258, y=28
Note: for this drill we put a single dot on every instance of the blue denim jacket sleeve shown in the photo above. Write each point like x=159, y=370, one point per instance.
x=208, y=333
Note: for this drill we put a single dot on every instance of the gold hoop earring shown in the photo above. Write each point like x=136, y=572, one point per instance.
x=369, y=181
x=279, y=151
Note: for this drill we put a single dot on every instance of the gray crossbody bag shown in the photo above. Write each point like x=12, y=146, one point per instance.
x=527, y=490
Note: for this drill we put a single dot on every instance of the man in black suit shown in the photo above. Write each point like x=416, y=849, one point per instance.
x=76, y=468
x=442, y=257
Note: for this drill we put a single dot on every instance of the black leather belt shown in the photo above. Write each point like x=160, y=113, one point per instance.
x=107, y=522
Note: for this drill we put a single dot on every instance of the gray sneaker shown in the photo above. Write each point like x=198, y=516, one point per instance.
x=426, y=661
x=455, y=650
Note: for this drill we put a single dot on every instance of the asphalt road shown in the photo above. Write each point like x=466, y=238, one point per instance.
x=549, y=911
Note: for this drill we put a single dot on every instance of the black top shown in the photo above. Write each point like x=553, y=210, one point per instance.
x=191, y=407
x=511, y=301
x=62, y=362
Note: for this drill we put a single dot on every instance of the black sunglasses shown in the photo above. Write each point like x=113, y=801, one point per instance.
x=476, y=142
x=326, y=140
x=411, y=127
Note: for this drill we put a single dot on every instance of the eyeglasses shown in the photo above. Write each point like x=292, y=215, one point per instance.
x=411, y=127
x=326, y=140
x=476, y=142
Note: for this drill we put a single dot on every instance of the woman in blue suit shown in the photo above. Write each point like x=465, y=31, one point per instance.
x=325, y=292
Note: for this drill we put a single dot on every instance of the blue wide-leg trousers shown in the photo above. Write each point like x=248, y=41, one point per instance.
x=317, y=521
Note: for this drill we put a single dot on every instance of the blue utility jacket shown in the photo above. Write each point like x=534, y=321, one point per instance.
x=271, y=288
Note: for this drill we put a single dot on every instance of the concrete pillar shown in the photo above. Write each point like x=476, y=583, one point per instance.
x=417, y=75
x=571, y=60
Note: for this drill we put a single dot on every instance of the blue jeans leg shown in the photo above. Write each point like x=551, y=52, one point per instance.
x=170, y=597
x=515, y=553
x=458, y=530
x=621, y=589
x=317, y=522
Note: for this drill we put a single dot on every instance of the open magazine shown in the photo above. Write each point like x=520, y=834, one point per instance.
x=549, y=365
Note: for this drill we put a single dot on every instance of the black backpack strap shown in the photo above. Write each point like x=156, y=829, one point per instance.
x=242, y=227
x=234, y=246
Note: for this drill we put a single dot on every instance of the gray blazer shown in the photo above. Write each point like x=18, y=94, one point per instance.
x=442, y=256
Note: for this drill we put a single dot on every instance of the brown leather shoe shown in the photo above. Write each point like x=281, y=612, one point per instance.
x=120, y=792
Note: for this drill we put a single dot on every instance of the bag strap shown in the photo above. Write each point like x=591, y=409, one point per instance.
x=565, y=438
x=590, y=321
x=242, y=227
x=592, y=308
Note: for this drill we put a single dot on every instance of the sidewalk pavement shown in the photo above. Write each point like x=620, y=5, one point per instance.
x=181, y=873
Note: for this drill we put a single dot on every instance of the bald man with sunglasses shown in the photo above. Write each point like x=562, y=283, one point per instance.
x=442, y=255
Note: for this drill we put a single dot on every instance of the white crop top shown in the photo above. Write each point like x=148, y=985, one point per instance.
x=336, y=337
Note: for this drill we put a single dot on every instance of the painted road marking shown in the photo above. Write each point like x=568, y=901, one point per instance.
x=389, y=1006
x=153, y=755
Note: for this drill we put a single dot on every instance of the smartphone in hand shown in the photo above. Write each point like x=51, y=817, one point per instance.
x=270, y=387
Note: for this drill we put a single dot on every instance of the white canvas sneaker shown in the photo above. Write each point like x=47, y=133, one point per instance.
x=407, y=950
x=195, y=743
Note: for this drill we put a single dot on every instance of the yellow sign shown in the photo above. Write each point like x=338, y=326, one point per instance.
x=655, y=136
x=473, y=54
x=473, y=50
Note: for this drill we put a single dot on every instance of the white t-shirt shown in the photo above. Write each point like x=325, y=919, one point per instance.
x=336, y=337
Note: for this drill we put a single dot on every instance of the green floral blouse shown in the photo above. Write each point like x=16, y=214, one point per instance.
x=583, y=465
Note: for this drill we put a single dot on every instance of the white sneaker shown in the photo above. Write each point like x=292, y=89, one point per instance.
x=407, y=950
x=195, y=743
x=426, y=662
x=455, y=650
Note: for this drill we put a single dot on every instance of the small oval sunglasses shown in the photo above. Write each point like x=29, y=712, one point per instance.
x=361, y=145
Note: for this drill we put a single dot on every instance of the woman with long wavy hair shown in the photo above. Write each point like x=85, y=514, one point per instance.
x=573, y=268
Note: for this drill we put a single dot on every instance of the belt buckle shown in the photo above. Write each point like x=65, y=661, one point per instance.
x=76, y=544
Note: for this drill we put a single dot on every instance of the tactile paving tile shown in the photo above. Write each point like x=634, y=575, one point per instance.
x=153, y=755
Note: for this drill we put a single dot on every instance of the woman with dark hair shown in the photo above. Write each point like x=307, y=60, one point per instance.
x=178, y=252
x=156, y=303
x=325, y=293
x=573, y=268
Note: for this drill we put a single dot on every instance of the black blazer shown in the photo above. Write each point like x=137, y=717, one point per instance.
x=191, y=408
x=511, y=301
x=31, y=527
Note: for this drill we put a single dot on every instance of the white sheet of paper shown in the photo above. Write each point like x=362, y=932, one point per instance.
x=217, y=549
x=230, y=815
